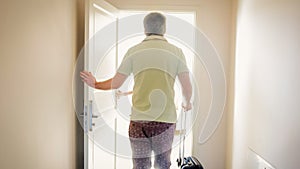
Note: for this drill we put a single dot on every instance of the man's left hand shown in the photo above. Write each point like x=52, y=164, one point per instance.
x=88, y=78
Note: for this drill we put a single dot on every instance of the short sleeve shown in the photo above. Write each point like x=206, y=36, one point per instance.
x=182, y=67
x=126, y=65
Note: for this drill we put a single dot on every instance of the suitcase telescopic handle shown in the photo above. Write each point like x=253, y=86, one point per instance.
x=182, y=138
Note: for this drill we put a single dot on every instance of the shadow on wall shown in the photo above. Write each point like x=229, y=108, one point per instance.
x=80, y=12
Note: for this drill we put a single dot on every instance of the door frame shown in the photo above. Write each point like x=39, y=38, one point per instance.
x=110, y=10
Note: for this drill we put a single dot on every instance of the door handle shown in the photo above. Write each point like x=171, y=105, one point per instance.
x=94, y=116
x=91, y=115
x=85, y=120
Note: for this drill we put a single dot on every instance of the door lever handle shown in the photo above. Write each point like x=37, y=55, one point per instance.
x=95, y=116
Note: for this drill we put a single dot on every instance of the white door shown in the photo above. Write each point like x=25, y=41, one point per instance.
x=100, y=117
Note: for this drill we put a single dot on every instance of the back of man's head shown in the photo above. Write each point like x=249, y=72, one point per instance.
x=155, y=23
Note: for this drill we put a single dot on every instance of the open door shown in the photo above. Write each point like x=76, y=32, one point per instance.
x=101, y=27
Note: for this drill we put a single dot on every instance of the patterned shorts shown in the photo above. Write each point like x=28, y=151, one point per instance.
x=147, y=137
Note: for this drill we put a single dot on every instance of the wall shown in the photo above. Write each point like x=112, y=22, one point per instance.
x=267, y=83
x=231, y=87
x=38, y=47
x=214, y=18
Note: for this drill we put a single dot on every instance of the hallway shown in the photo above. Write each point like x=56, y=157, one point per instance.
x=258, y=44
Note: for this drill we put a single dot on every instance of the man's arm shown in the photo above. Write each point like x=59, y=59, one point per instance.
x=186, y=86
x=113, y=83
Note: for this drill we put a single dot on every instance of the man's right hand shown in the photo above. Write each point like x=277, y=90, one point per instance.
x=187, y=106
x=119, y=93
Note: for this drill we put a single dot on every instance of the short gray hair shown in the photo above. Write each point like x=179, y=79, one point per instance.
x=155, y=23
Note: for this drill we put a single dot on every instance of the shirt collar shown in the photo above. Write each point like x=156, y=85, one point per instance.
x=155, y=37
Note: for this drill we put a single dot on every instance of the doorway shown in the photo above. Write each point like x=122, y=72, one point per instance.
x=124, y=45
x=105, y=127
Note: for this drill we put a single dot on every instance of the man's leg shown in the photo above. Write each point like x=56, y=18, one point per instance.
x=140, y=146
x=162, y=161
x=162, y=145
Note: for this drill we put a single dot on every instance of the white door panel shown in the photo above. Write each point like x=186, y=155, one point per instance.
x=99, y=140
x=104, y=101
x=106, y=67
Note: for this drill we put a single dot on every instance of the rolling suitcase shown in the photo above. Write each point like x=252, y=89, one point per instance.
x=189, y=162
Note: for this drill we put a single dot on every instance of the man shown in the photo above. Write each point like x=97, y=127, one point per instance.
x=155, y=64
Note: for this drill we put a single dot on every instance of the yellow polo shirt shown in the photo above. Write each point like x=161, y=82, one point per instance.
x=155, y=63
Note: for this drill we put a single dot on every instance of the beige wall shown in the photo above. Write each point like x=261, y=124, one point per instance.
x=267, y=114
x=214, y=18
x=231, y=87
x=38, y=47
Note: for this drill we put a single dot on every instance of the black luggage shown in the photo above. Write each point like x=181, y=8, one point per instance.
x=191, y=163
x=186, y=162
